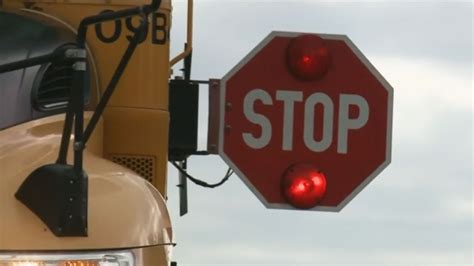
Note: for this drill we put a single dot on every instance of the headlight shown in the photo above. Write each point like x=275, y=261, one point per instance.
x=71, y=259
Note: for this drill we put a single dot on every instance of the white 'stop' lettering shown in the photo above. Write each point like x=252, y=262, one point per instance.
x=289, y=98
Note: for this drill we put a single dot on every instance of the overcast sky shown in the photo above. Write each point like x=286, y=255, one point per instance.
x=417, y=212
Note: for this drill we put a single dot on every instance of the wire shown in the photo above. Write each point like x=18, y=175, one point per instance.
x=200, y=182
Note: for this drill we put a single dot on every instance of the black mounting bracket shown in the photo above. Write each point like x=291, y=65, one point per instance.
x=183, y=108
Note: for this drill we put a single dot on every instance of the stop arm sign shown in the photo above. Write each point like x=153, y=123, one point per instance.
x=276, y=126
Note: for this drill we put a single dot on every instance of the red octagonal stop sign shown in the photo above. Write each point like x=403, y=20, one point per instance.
x=339, y=122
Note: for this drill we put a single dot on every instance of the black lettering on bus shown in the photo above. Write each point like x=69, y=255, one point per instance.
x=158, y=28
x=116, y=33
x=133, y=29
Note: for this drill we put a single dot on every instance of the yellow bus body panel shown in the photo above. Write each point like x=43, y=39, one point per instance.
x=125, y=211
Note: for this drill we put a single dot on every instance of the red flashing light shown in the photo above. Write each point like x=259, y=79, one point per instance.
x=308, y=57
x=303, y=185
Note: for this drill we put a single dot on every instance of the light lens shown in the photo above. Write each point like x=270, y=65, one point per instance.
x=73, y=259
x=303, y=185
x=308, y=57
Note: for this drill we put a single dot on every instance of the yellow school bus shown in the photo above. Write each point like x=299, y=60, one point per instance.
x=84, y=125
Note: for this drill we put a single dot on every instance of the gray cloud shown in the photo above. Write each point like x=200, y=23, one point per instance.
x=416, y=29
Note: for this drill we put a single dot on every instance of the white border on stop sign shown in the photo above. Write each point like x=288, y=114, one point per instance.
x=373, y=71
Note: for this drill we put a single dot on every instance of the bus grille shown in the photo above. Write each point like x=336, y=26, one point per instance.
x=142, y=165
